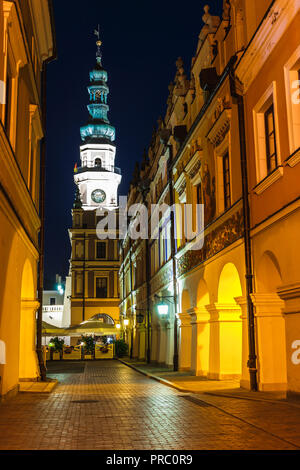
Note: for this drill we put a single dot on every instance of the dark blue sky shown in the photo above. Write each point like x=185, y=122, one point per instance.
x=141, y=42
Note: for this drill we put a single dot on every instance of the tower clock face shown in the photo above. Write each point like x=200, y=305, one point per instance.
x=98, y=196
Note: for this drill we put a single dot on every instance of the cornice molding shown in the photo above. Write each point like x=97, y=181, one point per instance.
x=269, y=34
x=294, y=159
x=267, y=182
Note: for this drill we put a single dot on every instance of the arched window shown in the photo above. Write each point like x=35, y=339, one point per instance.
x=98, y=162
x=103, y=318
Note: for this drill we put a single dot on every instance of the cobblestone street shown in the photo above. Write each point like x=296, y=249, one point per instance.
x=106, y=405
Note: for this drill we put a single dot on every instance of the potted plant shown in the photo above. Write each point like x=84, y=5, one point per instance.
x=56, y=347
x=88, y=346
x=121, y=348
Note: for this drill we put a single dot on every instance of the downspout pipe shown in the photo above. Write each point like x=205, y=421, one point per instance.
x=252, y=359
x=83, y=277
x=173, y=253
x=39, y=321
x=148, y=262
x=131, y=295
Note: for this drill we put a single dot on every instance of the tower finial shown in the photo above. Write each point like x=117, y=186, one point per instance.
x=99, y=44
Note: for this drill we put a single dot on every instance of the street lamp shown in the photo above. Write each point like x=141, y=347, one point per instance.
x=162, y=308
x=126, y=322
x=60, y=289
x=118, y=326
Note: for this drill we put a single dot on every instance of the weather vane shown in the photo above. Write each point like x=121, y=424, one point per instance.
x=98, y=43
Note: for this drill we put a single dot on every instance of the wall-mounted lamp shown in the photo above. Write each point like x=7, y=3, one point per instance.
x=162, y=308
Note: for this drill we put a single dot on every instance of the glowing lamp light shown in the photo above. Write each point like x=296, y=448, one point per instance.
x=162, y=308
x=60, y=289
x=118, y=326
x=126, y=322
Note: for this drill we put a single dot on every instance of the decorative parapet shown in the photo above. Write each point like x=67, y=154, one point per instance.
x=215, y=241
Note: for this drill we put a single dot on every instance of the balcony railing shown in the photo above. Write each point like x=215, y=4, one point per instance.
x=52, y=308
x=108, y=168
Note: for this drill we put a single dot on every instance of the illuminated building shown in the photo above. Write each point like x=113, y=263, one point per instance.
x=95, y=262
x=272, y=116
x=27, y=43
x=223, y=143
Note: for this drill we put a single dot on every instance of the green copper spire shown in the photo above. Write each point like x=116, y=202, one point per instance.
x=98, y=129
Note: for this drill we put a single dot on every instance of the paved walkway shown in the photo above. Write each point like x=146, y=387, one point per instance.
x=185, y=382
x=107, y=405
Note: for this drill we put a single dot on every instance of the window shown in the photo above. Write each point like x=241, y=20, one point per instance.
x=271, y=153
x=266, y=138
x=101, y=250
x=199, y=194
x=168, y=241
x=52, y=301
x=101, y=288
x=162, y=247
x=8, y=99
x=292, y=87
x=226, y=181
x=98, y=162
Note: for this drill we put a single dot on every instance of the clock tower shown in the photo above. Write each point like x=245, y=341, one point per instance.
x=98, y=179
x=95, y=261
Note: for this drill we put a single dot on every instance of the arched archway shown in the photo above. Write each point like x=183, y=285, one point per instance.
x=268, y=276
x=28, y=364
x=225, y=359
x=270, y=325
x=229, y=284
x=185, y=300
x=98, y=162
x=10, y=305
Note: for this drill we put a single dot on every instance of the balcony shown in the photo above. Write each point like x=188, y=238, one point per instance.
x=105, y=168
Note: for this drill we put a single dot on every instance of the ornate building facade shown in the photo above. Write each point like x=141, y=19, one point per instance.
x=234, y=302
x=95, y=261
x=27, y=43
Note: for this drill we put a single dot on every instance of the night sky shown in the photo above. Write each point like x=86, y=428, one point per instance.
x=141, y=43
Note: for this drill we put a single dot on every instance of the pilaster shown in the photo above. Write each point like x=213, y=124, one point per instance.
x=270, y=337
x=225, y=355
x=185, y=330
x=142, y=342
x=245, y=379
x=290, y=294
x=200, y=340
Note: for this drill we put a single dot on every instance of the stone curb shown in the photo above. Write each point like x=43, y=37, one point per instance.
x=265, y=400
x=158, y=379
x=212, y=393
